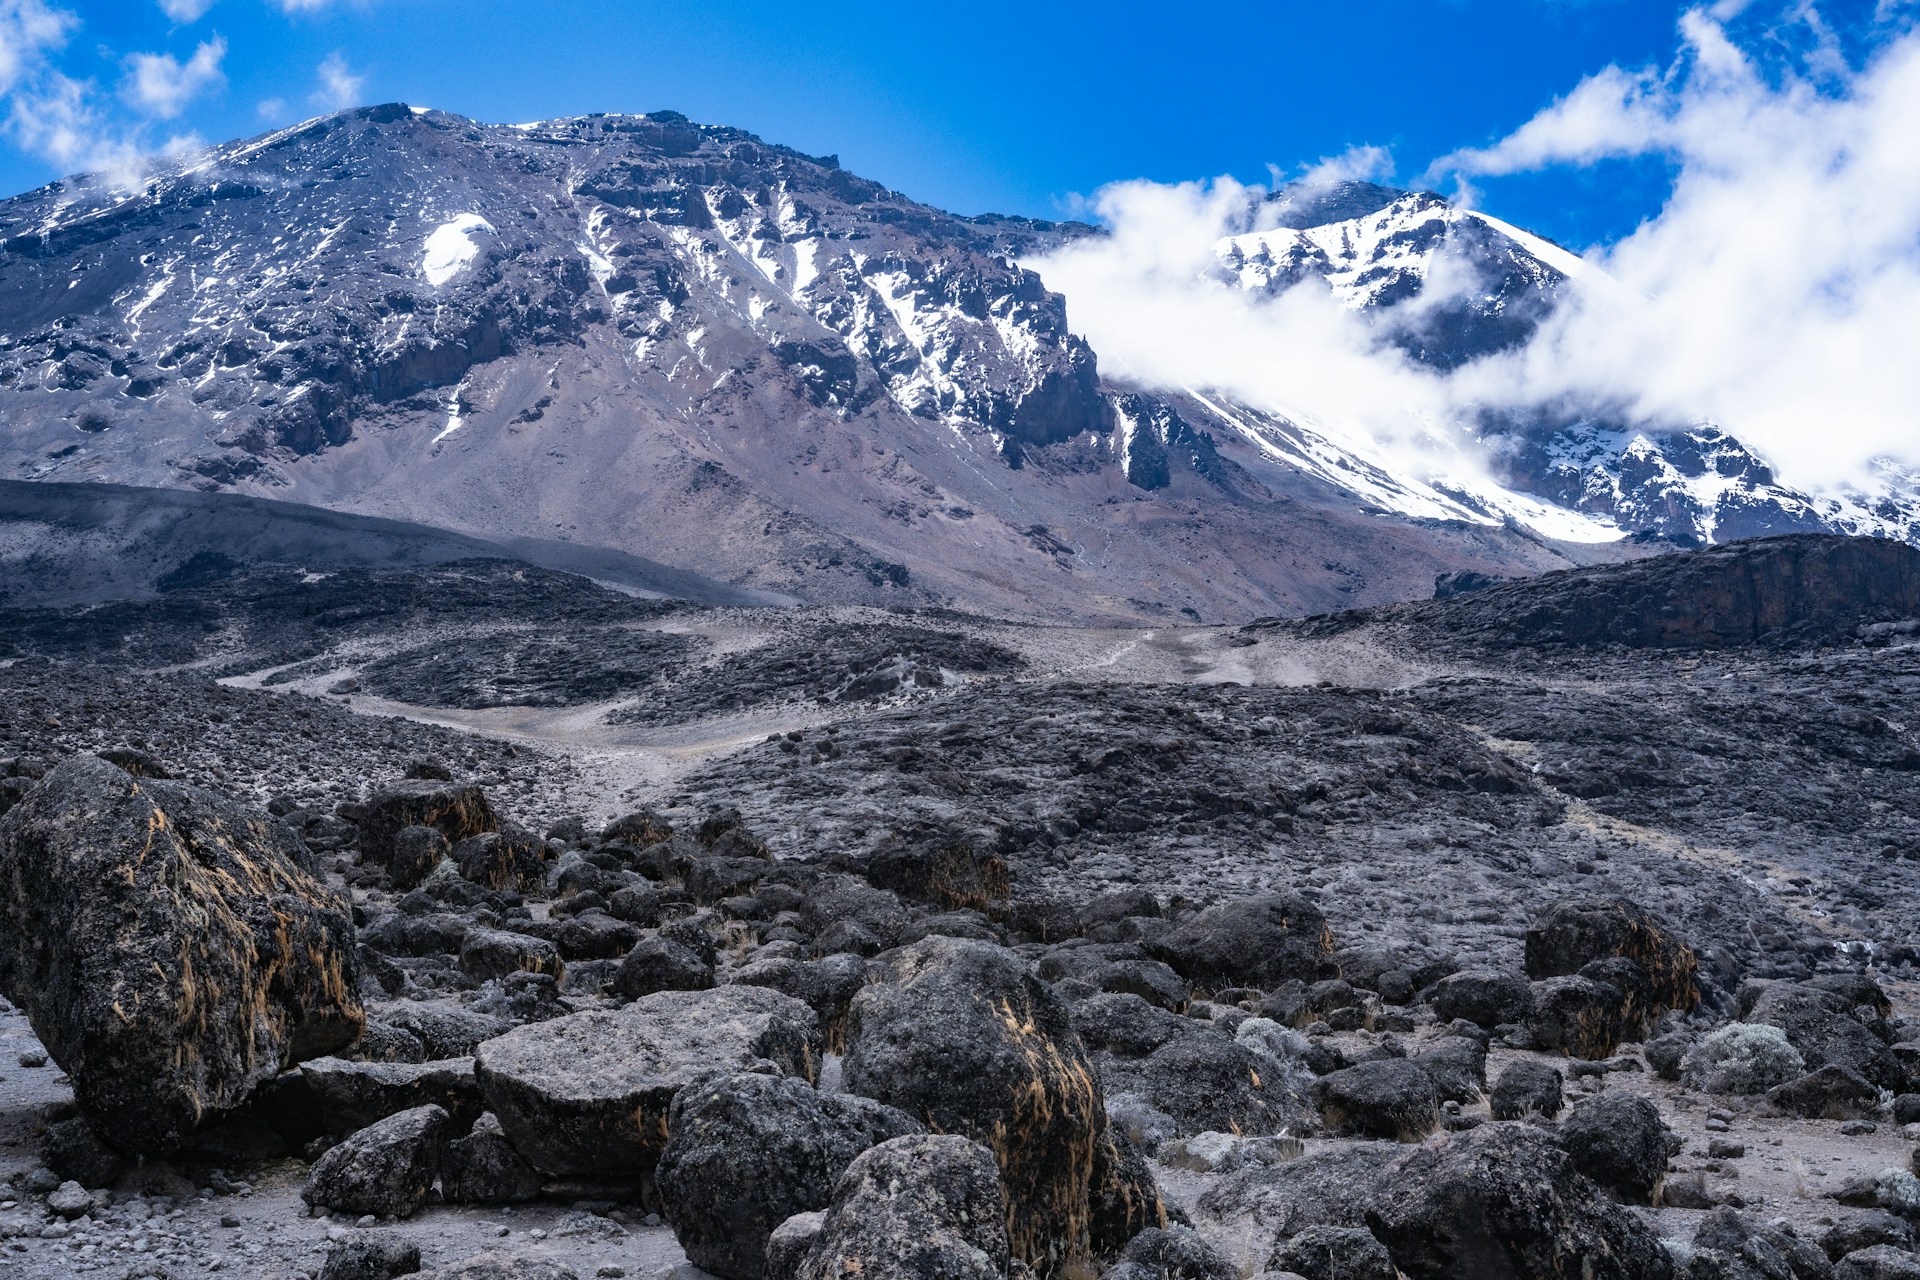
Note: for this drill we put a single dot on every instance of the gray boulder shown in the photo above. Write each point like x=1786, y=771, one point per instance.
x=385, y=1169
x=746, y=1152
x=915, y=1208
x=172, y=949
x=588, y=1095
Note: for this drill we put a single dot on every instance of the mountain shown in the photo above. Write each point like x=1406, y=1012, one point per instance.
x=685, y=344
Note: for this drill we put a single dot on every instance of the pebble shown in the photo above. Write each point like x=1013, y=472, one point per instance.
x=1714, y=1125
x=610, y=1272
x=33, y=1058
x=228, y=1220
x=1858, y=1128
x=1724, y=1149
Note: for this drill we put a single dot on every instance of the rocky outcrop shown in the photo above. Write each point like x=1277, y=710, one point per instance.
x=172, y=948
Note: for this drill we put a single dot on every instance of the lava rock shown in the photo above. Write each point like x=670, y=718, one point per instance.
x=349, y=1096
x=1334, y=1253
x=958, y=1034
x=171, y=948
x=415, y=852
x=74, y=1151
x=1881, y=1262
x=370, y=1256
x=1819, y=1025
x=483, y=1168
x=1390, y=1098
x=455, y=810
x=827, y=985
x=789, y=1245
x=1526, y=1088
x=1123, y=1196
x=486, y=954
x=1728, y=1245
x=1458, y=1068
x=1256, y=942
x=1619, y=1141
x=661, y=964
x=1171, y=1253
x=508, y=858
x=1575, y=932
x=588, y=1095
x=1833, y=1092
x=386, y=1169
x=1502, y=1201
x=1206, y=1080
x=918, y=1208
x=1484, y=998
x=748, y=1151
x=1576, y=1016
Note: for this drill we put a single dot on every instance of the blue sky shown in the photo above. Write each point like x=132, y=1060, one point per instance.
x=988, y=106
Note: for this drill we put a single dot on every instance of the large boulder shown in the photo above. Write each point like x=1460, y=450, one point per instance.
x=1334, y=1253
x=386, y=1169
x=958, y=1034
x=1820, y=1025
x=1171, y=1253
x=588, y=1095
x=1503, y=1202
x=1483, y=997
x=456, y=810
x=745, y=1152
x=1263, y=1205
x=1575, y=932
x=1576, y=1016
x=1256, y=942
x=1386, y=1098
x=1204, y=1080
x=349, y=1096
x=173, y=949
x=1526, y=1088
x=1620, y=1142
x=915, y=1208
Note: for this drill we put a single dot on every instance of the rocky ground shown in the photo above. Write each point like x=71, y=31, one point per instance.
x=1492, y=883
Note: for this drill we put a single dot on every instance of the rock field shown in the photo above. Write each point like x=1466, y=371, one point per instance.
x=472, y=920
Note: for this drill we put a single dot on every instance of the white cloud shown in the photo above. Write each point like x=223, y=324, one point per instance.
x=160, y=85
x=1356, y=164
x=1776, y=293
x=1782, y=278
x=271, y=108
x=48, y=113
x=29, y=30
x=303, y=6
x=185, y=11
x=339, y=84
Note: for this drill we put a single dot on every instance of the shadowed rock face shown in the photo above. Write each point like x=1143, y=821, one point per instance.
x=171, y=947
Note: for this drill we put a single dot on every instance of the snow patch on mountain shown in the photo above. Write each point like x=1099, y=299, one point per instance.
x=451, y=246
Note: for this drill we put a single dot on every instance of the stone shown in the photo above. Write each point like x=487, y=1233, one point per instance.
x=350, y=1096
x=74, y=1151
x=587, y=1095
x=959, y=1035
x=1263, y=1205
x=922, y=1207
x=509, y=858
x=1457, y=1066
x=1504, y=1202
x=69, y=1200
x=444, y=1030
x=1206, y=1080
x=483, y=1168
x=171, y=948
x=1389, y=1098
x=386, y=1169
x=746, y=1152
x=789, y=1244
x=1484, y=998
x=1334, y=1253
x=1123, y=1198
x=1526, y=1088
x=1834, y=1092
x=415, y=852
x=1819, y=1025
x=370, y=1256
x=1619, y=1141
x=1577, y=931
x=455, y=810
x=827, y=985
x=1576, y=1016
x=1255, y=942
x=486, y=954
x=1172, y=1253
x=661, y=964
x=1881, y=1262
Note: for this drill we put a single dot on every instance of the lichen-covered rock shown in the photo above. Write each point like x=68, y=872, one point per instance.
x=1576, y=1016
x=456, y=810
x=588, y=1095
x=349, y=1096
x=1171, y=1253
x=508, y=858
x=1620, y=1142
x=1256, y=942
x=1334, y=1253
x=1575, y=932
x=661, y=964
x=372, y=1255
x=915, y=1208
x=1527, y=1088
x=1483, y=997
x=386, y=1169
x=1504, y=1202
x=172, y=948
x=1833, y=1092
x=1386, y=1098
x=414, y=853
x=494, y=953
x=958, y=1034
x=483, y=1168
x=745, y=1152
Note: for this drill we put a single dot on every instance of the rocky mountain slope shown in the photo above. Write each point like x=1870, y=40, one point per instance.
x=683, y=343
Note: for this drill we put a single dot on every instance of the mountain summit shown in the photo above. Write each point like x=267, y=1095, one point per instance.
x=687, y=344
